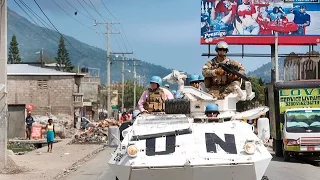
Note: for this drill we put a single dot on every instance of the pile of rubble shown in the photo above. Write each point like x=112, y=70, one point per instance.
x=97, y=134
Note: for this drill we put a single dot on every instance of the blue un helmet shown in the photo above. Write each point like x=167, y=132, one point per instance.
x=201, y=78
x=156, y=79
x=194, y=78
x=212, y=108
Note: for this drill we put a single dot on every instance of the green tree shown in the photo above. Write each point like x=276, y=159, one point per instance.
x=129, y=93
x=259, y=100
x=13, y=56
x=63, y=60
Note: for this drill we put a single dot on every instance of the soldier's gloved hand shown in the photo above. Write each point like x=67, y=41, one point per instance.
x=220, y=71
x=233, y=77
x=145, y=112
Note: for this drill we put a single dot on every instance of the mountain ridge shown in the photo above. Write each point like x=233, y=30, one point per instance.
x=32, y=38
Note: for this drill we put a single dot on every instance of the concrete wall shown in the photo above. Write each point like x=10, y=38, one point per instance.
x=48, y=94
x=16, y=121
x=90, y=91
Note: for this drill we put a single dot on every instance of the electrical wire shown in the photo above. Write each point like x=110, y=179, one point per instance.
x=42, y=28
x=120, y=24
x=58, y=30
x=96, y=10
x=72, y=16
x=79, y=11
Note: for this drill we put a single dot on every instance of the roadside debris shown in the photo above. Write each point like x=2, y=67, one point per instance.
x=97, y=134
x=12, y=167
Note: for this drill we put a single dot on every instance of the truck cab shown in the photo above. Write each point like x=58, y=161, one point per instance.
x=294, y=117
x=301, y=132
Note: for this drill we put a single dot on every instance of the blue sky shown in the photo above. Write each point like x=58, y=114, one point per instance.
x=165, y=32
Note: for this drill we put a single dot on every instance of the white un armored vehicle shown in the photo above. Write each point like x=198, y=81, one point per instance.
x=183, y=144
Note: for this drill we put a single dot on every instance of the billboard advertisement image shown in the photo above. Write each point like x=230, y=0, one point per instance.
x=255, y=21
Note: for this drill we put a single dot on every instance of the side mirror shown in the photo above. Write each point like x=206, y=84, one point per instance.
x=124, y=133
x=263, y=129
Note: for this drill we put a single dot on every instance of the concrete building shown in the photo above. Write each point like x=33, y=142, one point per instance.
x=90, y=87
x=302, y=67
x=49, y=91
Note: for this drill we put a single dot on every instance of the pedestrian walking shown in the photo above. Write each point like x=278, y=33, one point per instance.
x=50, y=134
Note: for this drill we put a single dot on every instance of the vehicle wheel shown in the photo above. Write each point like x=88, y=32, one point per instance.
x=278, y=148
x=264, y=178
x=177, y=106
x=286, y=156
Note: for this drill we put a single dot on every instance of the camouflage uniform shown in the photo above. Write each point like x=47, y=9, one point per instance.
x=220, y=85
x=155, y=101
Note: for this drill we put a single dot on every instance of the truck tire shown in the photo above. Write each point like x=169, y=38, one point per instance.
x=278, y=150
x=177, y=106
x=264, y=178
x=286, y=155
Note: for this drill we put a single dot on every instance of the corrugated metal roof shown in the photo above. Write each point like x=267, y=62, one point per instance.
x=25, y=69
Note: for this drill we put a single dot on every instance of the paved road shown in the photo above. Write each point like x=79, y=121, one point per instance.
x=98, y=169
x=95, y=169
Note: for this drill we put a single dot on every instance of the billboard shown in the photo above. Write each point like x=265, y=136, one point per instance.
x=253, y=22
x=299, y=98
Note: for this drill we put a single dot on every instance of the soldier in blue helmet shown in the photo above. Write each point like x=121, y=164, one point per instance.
x=194, y=81
x=201, y=83
x=153, y=99
x=212, y=110
x=201, y=78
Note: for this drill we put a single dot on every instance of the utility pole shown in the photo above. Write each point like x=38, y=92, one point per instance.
x=122, y=88
x=108, y=64
x=41, y=58
x=274, y=59
x=3, y=84
x=134, y=84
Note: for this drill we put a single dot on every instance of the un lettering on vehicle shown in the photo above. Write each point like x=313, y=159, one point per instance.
x=213, y=144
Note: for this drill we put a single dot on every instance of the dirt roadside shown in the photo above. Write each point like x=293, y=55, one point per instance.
x=41, y=165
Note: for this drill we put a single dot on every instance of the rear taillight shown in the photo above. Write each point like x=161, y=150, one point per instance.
x=291, y=142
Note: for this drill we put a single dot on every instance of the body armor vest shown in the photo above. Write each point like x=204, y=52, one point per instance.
x=155, y=101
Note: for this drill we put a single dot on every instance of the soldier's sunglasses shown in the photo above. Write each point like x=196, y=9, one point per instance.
x=212, y=112
x=222, y=49
x=194, y=82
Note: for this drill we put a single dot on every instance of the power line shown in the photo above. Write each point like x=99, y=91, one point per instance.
x=109, y=11
x=120, y=24
x=58, y=30
x=79, y=11
x=72, y=16
x=76, y=19
x=117, y=43
x=86, y=10
x=35, y=14
x=42, y=28
x=96, y=10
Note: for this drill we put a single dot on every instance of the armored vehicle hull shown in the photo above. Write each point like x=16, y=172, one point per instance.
x=174, y=147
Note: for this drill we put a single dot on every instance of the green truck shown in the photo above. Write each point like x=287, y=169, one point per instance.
x=294, y=117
